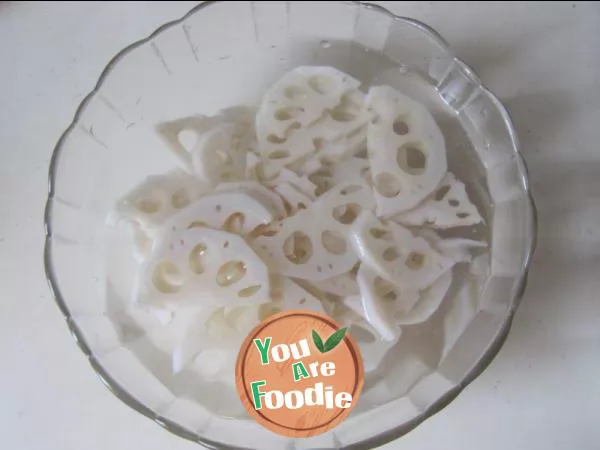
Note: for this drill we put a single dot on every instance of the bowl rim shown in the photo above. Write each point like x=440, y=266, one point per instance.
x=375, y=441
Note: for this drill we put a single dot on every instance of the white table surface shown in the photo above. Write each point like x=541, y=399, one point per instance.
x=543, y=389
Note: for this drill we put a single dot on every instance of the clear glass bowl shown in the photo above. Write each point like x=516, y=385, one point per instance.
x=227, y=53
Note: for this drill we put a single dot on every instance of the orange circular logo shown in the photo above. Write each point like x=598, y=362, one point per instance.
x=299, y=374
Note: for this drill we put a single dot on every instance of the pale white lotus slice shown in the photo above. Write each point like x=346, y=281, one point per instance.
x=406, y=150
x=204, y=267
x=302, y=95
x=457, y=249
x=429, y=303
x=307, y=105
x=342, y=285
x=337, y=135
x=354, y=117
x=290, y=296
x=312, y=245
x=355, y=169
x=392, y=252
x=142, y=244
x=263, y=194
x=373, y=349
x=232, y=211
x=449, y=206
x=301, y=183
x=158, y=198
x=218, y=156
x=294, y=200
x=182, y=135
x=253, y=167
x=383, y=302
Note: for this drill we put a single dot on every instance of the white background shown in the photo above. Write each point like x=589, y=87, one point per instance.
x=541, y=392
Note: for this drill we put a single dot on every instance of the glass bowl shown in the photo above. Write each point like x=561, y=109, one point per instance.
x=222, y=54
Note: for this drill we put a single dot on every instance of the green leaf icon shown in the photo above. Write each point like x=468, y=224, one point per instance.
x=318, y=341
x=332, y=341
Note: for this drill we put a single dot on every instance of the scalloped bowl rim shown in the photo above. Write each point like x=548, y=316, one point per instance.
x=377, y=440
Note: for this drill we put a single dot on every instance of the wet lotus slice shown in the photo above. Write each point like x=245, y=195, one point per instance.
x=142, y=244
x=263, y=194
x=320, y=199
x=301, y=183
x=204, y=267
x=231, y=211
x=343, y=285
x=393, y=253
x=328, y=176
x=387, y=306
x=219, y=331
x=288, y=295
x=406, y=151
x=457, y=249
x=183, y=135
x=430, y=300
x=218, y=156
x=312, y=244
x=158, y=198
x=382, y=302
x=351, y=118
x=449, y=206
x=293, y=199
x=307, y=107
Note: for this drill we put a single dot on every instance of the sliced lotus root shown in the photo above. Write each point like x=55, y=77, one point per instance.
x=204, y=267
x=457, y=249
x=182, y=135
x=254, y=167
x=231, y=211
x=218, y=157
x=142, y=244
x=288, y=295
x=263, y=194
x=293, y=199
x=386, y=306
x=312, y=244
x=329, y=175
x=431, y=299
x=449, y=206
x=303, y=95
x=325, y=147
x=342, y=285
x=383, y=301
x=393, y=253
x=406, y=150
x=301, y=183
x=158, y=198
x=331, y=151
x=306, y=106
